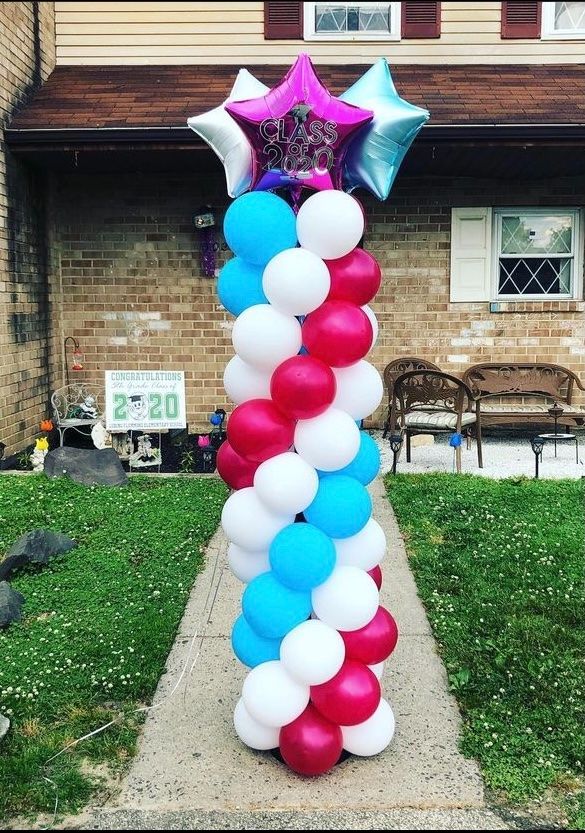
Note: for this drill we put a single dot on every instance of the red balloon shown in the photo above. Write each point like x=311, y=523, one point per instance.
x=356, y=277
x=338, y=332
x=311, y=744
x=376, y=574
x=375, y=641
x=350, y=697
x=236, y=471
x=258, y=430
x=303, y=387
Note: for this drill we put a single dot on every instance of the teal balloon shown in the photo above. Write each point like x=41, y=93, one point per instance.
x=259, y=225
x=365, y=465
x=239, y=285
x=272, y=609
x=302, y=556
x=251, y=648
x=375, y=155
x=341, y=507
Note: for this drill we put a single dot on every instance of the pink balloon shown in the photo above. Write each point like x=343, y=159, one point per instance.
x=311, y=744
x=376, y=574
x=350, y=697
x=303, y=387
x=258, y=430
x=355, y=277
x=235, y=470
x=375, y=641
x=298, y=131
x=338, y=332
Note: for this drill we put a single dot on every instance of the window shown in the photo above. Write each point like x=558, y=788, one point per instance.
x=352, y=21
x=516, y=254
x=563, y=20
x=536, y=253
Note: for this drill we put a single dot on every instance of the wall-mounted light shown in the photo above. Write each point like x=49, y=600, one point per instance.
x=76, y=357
x=204, y=222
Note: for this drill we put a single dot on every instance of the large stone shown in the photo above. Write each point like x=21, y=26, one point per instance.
x=91, y=467
x=11, y=602
x=4, y=726
x=35, y=547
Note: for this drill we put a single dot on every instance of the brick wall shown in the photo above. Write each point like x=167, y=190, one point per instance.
x=27, y=55
x=131, y=289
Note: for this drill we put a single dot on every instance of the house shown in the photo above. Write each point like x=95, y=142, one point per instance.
x=480, y=240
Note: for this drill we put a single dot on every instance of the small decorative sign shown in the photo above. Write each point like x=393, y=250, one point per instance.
x=145, y=400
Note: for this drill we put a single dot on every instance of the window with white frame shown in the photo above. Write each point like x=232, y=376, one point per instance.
x=564, y=20
x=536, y=253
x=516, y=254
x=352, y=21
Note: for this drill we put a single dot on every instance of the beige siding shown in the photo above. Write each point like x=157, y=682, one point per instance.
x=233, y=33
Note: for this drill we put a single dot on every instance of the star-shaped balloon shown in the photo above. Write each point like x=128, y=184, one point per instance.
x=375, y=155
x=298, y=131
x=224, y=136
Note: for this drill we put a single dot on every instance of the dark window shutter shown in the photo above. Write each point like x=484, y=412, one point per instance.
x=283, y=21
x=521, y=19
x=421, y=20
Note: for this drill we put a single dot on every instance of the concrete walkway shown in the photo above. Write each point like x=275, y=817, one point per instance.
x=193, y=772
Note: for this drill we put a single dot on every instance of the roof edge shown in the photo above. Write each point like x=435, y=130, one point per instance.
x=430, y=133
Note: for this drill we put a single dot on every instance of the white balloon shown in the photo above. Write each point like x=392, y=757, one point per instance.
x=329, y=441
x=378, y=669
x=313, y=652
x=264, y=337
x=296, y=281
x=365, y=549
x=248, y=523
x=348, y=600
x=286, y=483
x=272, y=696
x=246, y=565
x=330, y=224
x=253, y=734
x=360, y=389
x=374, y=322
x=373, y=735
x=226, y=137
x=242, y=381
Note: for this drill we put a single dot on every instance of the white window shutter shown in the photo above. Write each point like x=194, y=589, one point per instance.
x=471, y=243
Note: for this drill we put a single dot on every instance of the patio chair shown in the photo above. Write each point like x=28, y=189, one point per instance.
x=393, y=370
x=77, y=406
x=429, y=402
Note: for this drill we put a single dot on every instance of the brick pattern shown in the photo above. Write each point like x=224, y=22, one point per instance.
x=165, y=96
x=130, y=286
x=27, y=56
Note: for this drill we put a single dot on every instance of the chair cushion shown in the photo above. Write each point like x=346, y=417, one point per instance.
x=437, y=420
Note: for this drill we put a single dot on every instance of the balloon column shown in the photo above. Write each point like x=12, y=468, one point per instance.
x=311, y=630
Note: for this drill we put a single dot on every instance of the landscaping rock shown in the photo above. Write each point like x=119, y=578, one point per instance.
x=11, y=602
x=90, y=467
x=4, y=726
x=35, y=547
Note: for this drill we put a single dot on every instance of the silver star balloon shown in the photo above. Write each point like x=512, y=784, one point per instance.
x=376, y=153
x=226, y=137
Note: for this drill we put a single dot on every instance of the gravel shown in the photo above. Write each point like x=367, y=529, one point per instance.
x=503, y=456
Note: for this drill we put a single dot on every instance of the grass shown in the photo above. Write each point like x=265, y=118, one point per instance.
x=99, y=623
x=499, y=566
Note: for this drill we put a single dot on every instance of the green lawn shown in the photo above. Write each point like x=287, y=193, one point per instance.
x=98, y=625
x=500, y=568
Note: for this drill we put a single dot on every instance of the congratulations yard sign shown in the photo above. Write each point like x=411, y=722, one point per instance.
x=145, y=400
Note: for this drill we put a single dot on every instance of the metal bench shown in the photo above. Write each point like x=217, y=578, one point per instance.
x=524, y=392
x=77, y=406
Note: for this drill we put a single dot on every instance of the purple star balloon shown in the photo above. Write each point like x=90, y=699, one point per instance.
x=299, y=132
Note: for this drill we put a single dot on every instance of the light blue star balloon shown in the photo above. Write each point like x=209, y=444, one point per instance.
x=375, y=155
